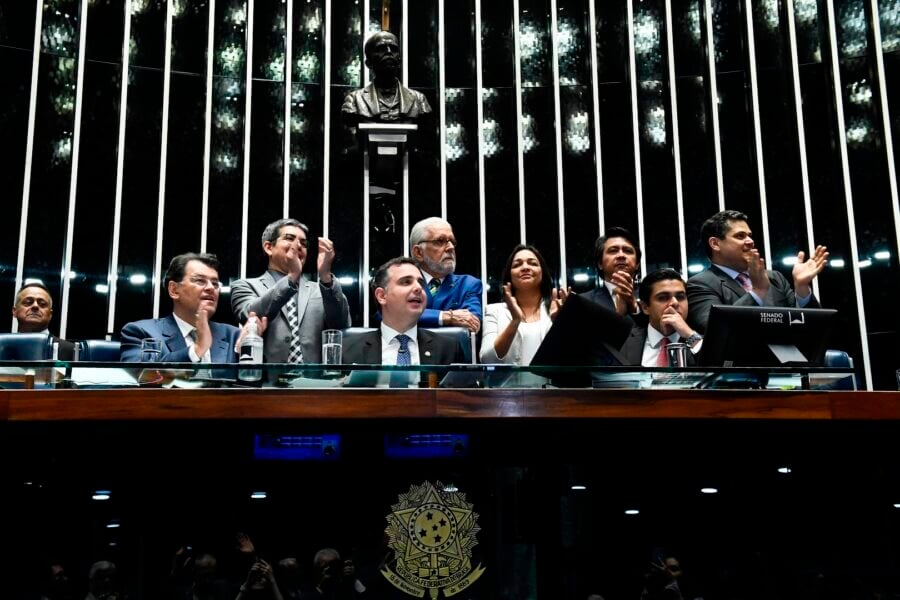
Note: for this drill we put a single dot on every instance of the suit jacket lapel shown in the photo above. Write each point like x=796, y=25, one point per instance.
x=219, y=350
x=304, y=293
x=426, y=350
x=728, y=283
x=170, y=331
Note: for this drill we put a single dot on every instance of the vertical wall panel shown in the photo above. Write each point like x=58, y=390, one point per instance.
x=140, y=186
x=17, y=21
x=45, y=234
x=500, y=140
x=92, y=242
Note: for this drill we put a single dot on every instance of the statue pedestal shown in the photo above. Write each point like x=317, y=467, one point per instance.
x=385, y=194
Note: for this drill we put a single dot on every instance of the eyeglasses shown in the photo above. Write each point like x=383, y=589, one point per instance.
x=440, y=242
x=202, y=282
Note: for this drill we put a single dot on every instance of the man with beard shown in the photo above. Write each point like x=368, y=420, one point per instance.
x=385, y=99
x=453, y=300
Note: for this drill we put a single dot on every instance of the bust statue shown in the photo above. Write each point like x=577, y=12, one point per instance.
x=385, y=99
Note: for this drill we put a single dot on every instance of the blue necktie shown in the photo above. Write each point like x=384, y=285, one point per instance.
x=403, y=358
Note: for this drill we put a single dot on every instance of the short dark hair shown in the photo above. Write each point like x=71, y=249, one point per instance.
x=175, y=272
x=273, y=229
x=614, y=232
x=718, y=226
x=546, y=275
x=646, y=288
x=381, y=274
x=37, y=284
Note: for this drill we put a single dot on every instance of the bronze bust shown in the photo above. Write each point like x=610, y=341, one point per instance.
x=384, y=99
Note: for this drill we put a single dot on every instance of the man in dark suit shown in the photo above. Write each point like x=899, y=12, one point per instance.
x=738, y=275
x=298, y=309
x=187, y=334
x=664, y=302
x=33, y=310
x=618, y=255
x=400, y=292
x=453, y=300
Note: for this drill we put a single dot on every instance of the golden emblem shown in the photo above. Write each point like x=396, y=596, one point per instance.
x=432, y=533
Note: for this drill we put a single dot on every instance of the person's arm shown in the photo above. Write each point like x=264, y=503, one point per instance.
x=337, y=309
x=131, y=335
x=491, y=351
x=701, y=298
x=244, y=299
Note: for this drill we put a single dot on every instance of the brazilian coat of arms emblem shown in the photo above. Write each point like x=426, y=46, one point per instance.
x=432, y=532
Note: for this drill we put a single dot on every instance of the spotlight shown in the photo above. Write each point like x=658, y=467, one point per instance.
x=709, y=490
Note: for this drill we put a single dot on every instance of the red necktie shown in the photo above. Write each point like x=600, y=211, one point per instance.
x=744, y=280
x=662, y=359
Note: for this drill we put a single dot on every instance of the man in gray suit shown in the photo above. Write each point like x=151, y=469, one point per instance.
x=298, y=309
x=738, y=276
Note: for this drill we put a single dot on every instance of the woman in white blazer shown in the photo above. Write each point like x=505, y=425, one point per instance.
x=514, y=329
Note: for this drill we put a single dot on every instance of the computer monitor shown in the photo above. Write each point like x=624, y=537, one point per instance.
x=584, y=333
x=765, y=336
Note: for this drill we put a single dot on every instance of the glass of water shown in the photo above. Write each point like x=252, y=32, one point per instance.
x=151, y=350
x=331, y=346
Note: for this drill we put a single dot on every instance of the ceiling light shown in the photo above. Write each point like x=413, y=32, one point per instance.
x=837, y=263
x=580, y=277
x=345, y=280
x=258, y=496
x=784, y=470
x=579, y=488
x=101, y=495
x=695, y=268
x=789, y=261
x=882, y=255
x=632, y=511
x=865, y=263
x=101, y=288
x=138, y=279
x=709, y=490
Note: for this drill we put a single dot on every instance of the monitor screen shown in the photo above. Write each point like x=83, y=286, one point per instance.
x=584, y=333
x=766, y=336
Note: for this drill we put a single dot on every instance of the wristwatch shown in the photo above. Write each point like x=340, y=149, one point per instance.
x=693, y=339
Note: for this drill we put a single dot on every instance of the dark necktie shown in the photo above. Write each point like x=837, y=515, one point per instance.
x=296, y=353
x=662, y=359
x=403, y=357
x=744, y=280
x=434, y=285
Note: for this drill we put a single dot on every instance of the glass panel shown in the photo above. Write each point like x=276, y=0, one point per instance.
x=871, y=192
x=227, y=139
x=616, y=141
x=538, y=130
x=345, y=184
x=660, y=210
x=698, y=177
x=424, y=158
x=52, y=160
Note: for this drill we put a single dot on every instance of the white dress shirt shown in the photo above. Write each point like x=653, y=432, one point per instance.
x=186, y=330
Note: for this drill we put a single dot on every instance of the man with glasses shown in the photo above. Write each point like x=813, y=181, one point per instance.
x=188, y=335
x=298, y=309
x=453, y=300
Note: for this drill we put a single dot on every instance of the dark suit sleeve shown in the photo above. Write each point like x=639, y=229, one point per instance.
x=244, y=299
x=131, y=335
x=337, y=309
x=701, y=297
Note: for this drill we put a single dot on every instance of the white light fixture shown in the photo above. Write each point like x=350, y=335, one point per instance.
x=580, y=277
x=138, y=279
x=695, y=268
x=31, y=280
x=101, y=288
x=837, y=263
x=865, y=263
x=897, y=505
x=346, y=280
x=225, y=289
x=258, y=496
x=113, y=525
x=579, y=488
x=784, y=470
x=882, y=255
x=101, y=495
x=450, y=488
x=709, y=490
x=632, y=511
x=789, y=261
x=72, y=274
